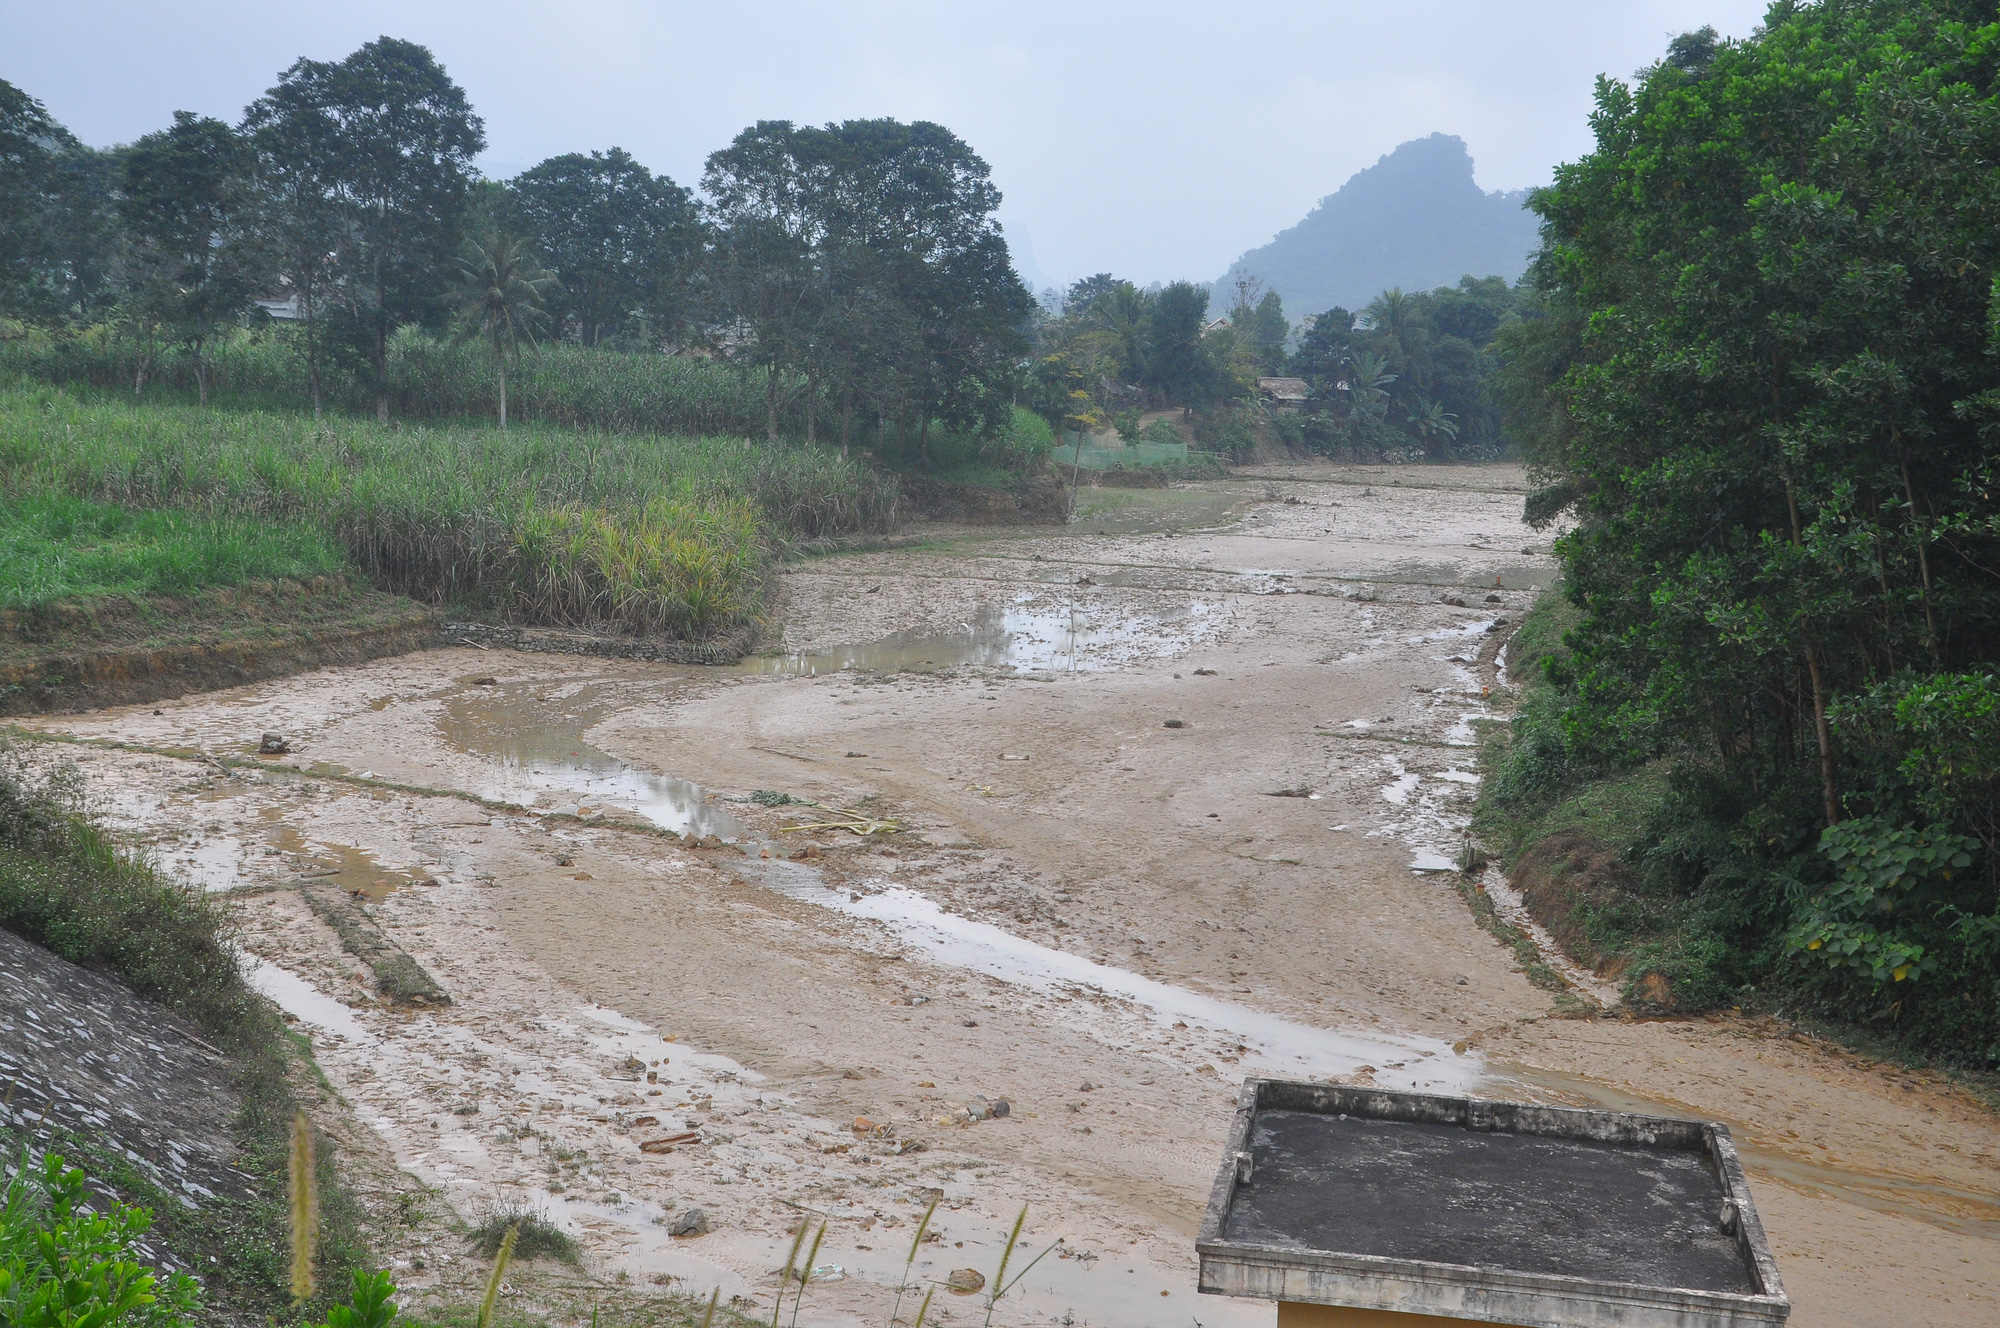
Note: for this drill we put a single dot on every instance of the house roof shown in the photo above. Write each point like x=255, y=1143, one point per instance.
x=1284, y=389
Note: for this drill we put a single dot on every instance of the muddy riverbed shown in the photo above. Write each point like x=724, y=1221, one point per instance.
x=1173, y=789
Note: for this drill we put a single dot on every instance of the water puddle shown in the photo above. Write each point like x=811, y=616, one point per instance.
x=533, y=741
x=1026, y=635
x=1967, y=1212
x=305, y=1002
x=1270, y=1044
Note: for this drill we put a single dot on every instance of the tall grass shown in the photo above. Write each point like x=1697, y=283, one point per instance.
x=431, y=379
x=539, y=523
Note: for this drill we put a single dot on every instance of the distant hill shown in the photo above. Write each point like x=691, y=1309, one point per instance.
x=1414, y=219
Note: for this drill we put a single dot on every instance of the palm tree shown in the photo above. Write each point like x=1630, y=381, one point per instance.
x=499, y=292
x=1432, y=423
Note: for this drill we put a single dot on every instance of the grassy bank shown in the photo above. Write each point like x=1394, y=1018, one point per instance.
x=56, y=547
x=65, y=886
x=1579, y=839
x=542, y=524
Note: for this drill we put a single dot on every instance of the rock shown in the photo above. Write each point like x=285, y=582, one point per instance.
x=965, y=1281
x=1087, y=1087
x=1176, y=724
x=645, y=1120
x=485, y=682
x=862, y=1125
x=1492, y=599
x=273, y=744
x=694, y=1222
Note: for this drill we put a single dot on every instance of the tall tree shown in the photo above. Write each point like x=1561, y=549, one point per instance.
x=185, y=200
x=879, y=232
x=1774, y=421
x=306, y=208
x=622, y=239
x=392, y=138
x=1175, y=360
x=31, y=145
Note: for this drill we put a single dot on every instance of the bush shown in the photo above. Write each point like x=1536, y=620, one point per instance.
x=68, y=1259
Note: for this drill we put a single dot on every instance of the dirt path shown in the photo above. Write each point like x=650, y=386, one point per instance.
x=1170, y=781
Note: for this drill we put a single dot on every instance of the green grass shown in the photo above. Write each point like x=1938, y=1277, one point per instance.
x=56, y=547
x=538, y=523
x=66, y=887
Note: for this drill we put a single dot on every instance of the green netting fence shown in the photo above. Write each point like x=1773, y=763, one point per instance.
x=1094, y=456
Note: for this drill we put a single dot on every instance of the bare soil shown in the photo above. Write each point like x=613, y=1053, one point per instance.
x=1173, y=786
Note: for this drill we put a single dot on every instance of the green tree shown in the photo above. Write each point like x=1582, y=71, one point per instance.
x=1176, y=361
x=501, y=294
x=306, y=209
x=31, y=146
x=184, y=195
x=864, y=259
x=623, y=240
x=392, y=139
x=1768, y=394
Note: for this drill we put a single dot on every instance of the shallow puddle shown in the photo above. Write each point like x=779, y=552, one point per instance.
x=1968, y=1212
x=534, y=740
x=1269, y=1043
x=1026, y=635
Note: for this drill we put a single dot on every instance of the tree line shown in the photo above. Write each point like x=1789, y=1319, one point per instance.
x=861, y=263
x=1764, y=391
x=1414, y=374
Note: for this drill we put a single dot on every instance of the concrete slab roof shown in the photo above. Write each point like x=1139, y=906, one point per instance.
x=1486, y=1211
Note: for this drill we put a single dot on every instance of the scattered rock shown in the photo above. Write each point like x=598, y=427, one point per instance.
x=1492, y=599
x=694, y=1222
x=1175, y=724
x=850, y=1074
x=965, y=1281
x=645, y=1121
x=860, y=755
x=1204, y=673
x=1452, y=600
x=271, y=744
x=485, y=682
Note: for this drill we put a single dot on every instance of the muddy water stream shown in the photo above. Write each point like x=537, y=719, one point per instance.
x=532, y=739
x=1025, y=633
x=539, y=737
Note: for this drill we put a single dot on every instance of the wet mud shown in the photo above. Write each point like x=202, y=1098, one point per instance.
x=1159, y=799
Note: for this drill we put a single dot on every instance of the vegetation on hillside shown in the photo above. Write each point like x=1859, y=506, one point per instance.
x=67, y=887
x=1764, y=389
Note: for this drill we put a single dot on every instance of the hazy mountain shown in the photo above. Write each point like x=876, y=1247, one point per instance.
x=1414, y=219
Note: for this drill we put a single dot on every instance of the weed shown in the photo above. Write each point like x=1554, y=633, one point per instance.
x=535, y=1236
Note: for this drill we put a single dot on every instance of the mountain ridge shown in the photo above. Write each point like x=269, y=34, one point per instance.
x=1415, y=219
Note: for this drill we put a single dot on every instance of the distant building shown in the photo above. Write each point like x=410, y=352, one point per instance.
x=285, y=307
x=1284, y=393
x=1214, y=325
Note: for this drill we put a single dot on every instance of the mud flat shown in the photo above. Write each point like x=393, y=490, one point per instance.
x=1172, y=803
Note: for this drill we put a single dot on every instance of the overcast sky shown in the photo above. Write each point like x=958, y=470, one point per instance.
x=1155, y=140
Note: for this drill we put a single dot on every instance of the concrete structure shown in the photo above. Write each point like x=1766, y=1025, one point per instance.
x=1364, y=1208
